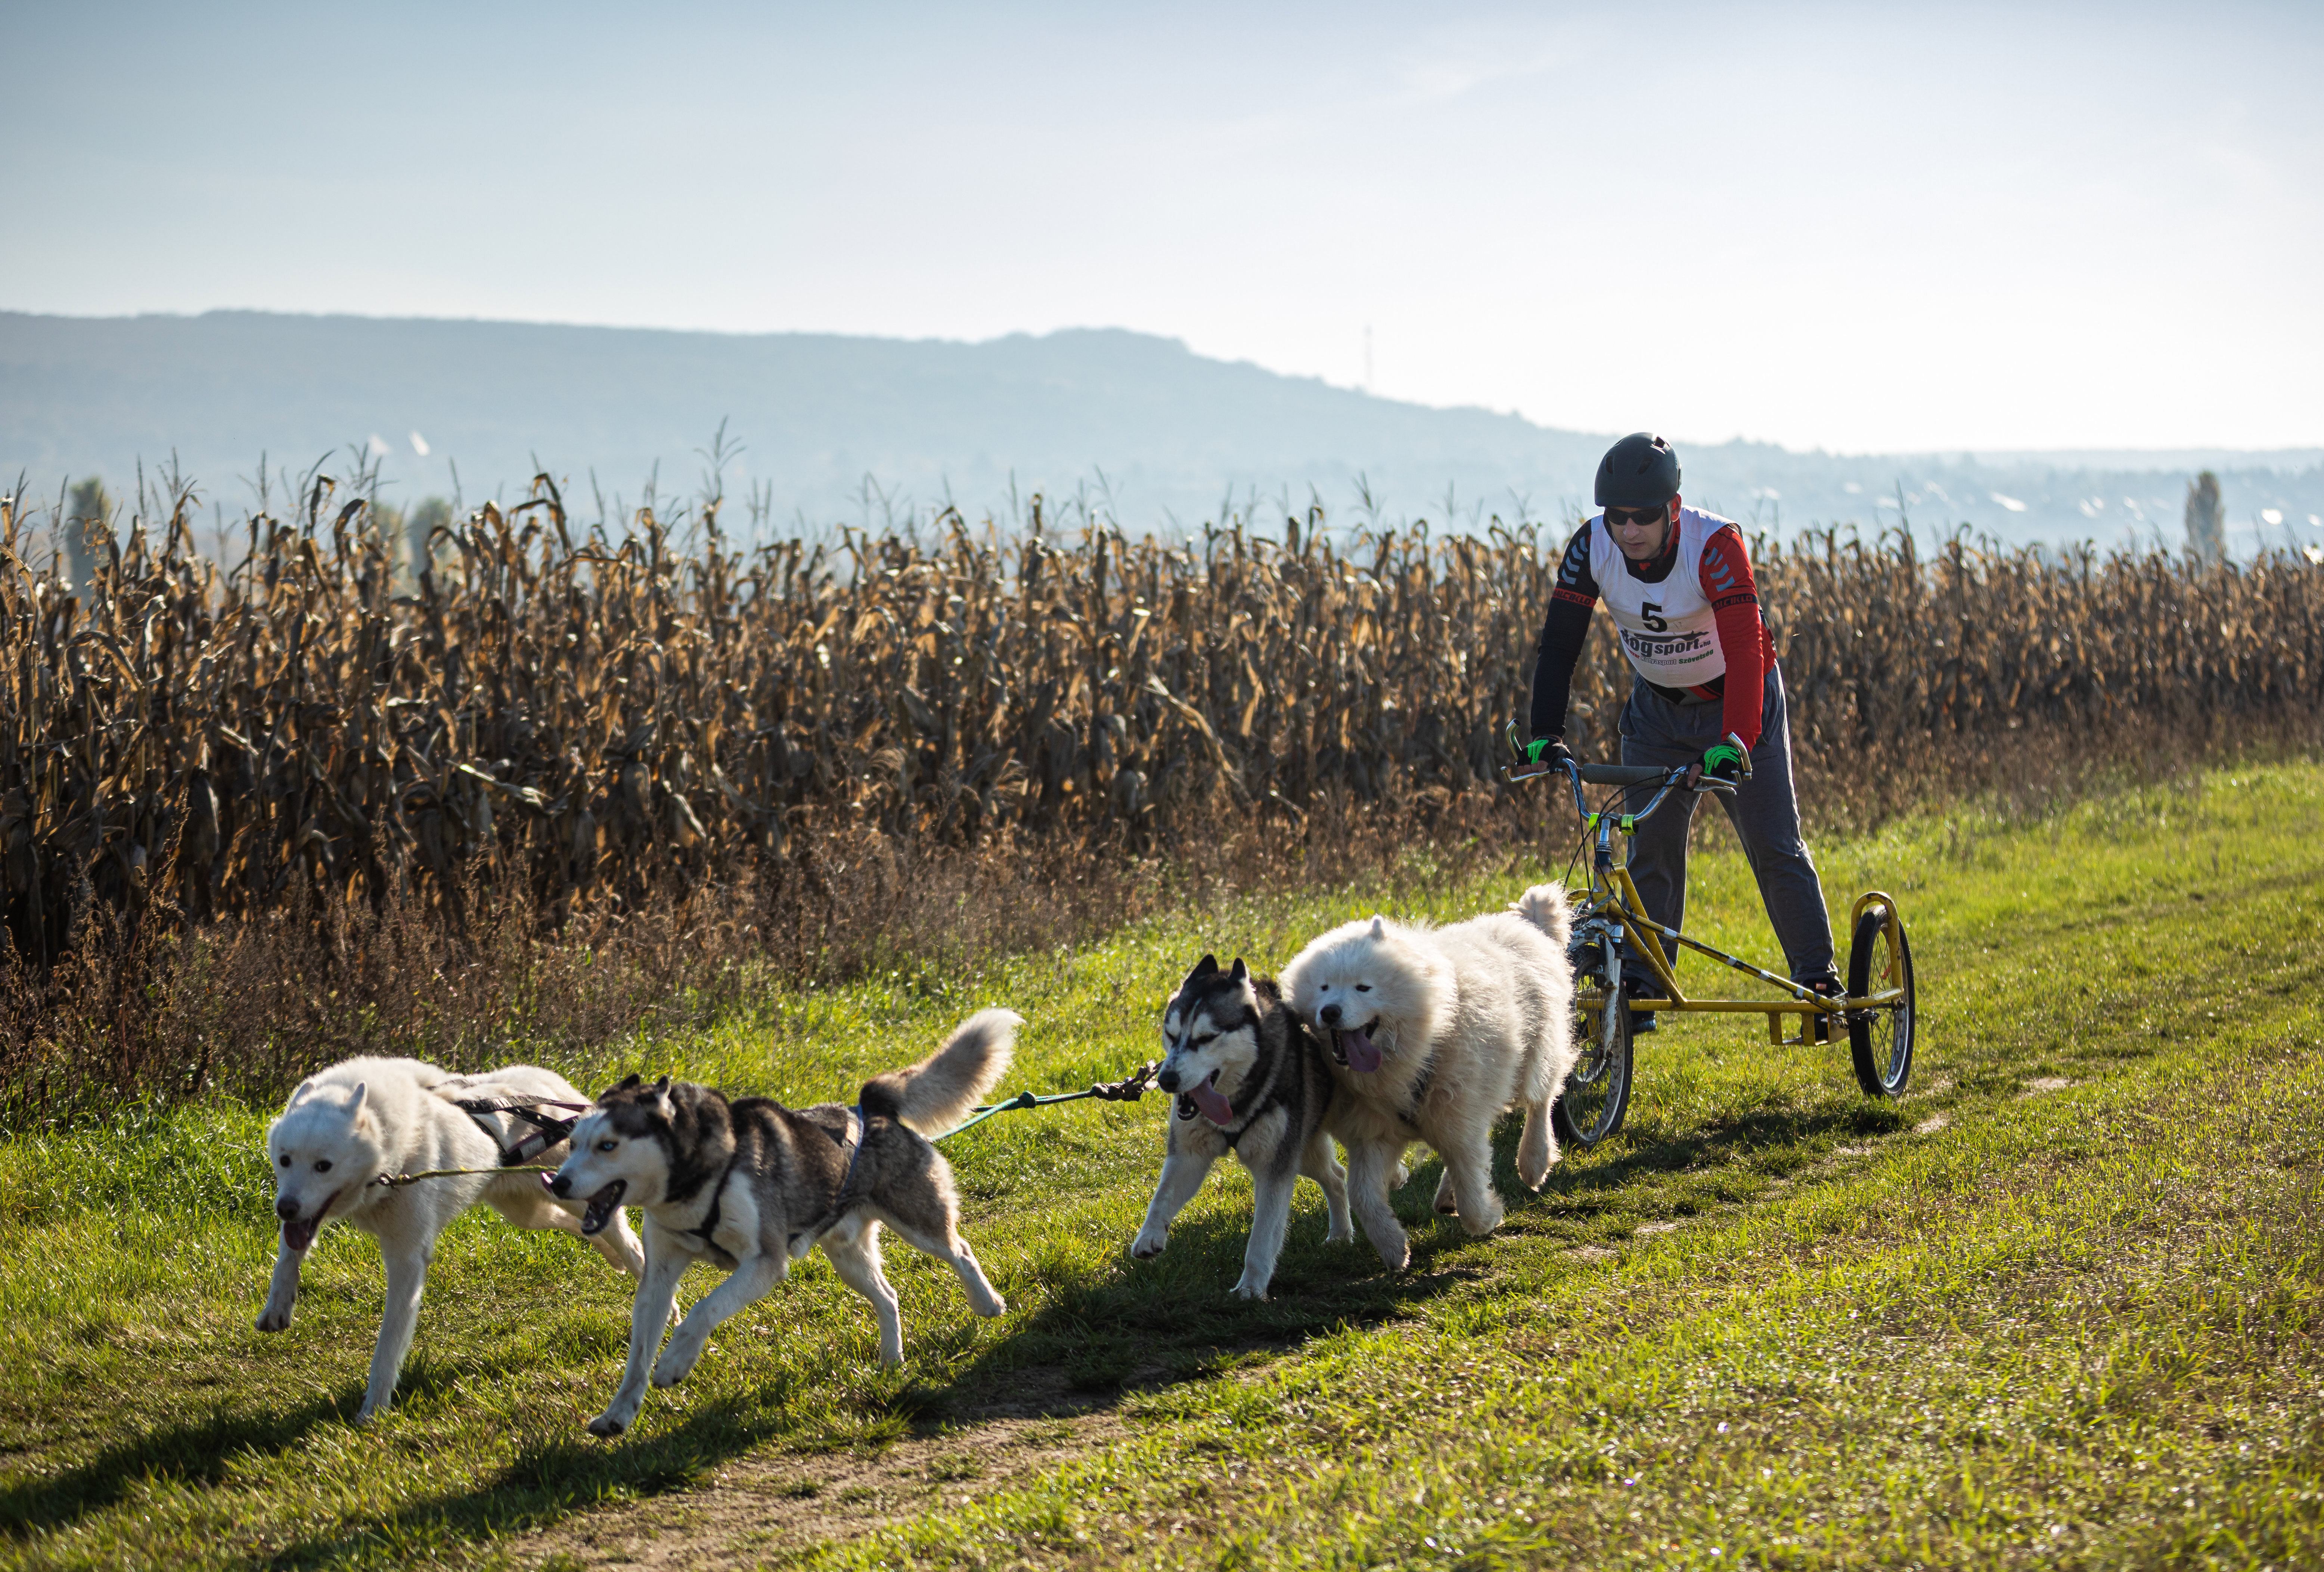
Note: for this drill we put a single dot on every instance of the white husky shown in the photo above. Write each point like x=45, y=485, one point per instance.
x=1434, y=1032
x=346, y=1125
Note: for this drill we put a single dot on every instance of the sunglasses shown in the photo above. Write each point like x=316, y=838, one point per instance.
x=1637, y=517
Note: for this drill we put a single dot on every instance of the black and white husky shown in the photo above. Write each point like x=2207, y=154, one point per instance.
x=1250, y=1078
x=753, y=1186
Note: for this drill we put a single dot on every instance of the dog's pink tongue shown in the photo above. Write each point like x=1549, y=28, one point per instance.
x=1363, y=1057
x=1213, y=1107
x=298, y=1233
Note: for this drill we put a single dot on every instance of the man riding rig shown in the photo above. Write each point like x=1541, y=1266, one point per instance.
x=1707, y=694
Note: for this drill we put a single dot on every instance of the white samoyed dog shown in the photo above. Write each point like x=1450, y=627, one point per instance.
x=346, y=1125
x=1433, y=1033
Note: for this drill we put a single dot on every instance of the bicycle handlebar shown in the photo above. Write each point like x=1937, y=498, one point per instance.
x=1577, y=774
x=1628, y=776
x=1623, y=774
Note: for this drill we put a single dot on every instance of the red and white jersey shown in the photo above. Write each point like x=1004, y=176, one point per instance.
x=1685, y=619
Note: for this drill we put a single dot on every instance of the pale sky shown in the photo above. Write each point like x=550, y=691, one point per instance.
x=1858, y=228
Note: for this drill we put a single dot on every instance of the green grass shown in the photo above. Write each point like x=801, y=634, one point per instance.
x=1771, y=1324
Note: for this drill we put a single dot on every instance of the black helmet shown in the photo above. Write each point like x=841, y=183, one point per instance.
x=1638, y=472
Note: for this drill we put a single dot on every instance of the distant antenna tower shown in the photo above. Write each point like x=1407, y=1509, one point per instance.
x=1368, y=357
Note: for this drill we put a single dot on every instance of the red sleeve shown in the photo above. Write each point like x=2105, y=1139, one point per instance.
x=1742, y=638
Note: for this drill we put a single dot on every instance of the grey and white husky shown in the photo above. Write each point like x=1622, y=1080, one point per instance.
x=1250, y=1078
x=753, y=1186
x=346, y=1125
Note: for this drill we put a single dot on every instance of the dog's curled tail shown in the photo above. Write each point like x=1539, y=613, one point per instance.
x=1546, y=907
x=936, y=1093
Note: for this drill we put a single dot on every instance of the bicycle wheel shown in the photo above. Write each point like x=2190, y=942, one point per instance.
x=1880, y=1040
x=1597, y=1094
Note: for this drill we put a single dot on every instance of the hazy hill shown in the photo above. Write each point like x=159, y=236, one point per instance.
x=1171, y=432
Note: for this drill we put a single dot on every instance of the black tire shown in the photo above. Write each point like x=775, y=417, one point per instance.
x=1880, y=1041
x=1596, y=1097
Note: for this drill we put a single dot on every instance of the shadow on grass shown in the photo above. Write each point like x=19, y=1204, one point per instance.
x=1172, y=1319
x=1650, y=1150
x=198, y=1453
x=1152, y=1323
x=551, y=1479
x=1142, y=1325
x=1107, y=1329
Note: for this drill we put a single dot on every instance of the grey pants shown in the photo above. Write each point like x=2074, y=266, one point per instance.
x=1764, y=812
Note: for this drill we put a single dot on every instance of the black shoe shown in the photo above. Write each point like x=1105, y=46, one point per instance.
x=1641, y=985
x=1828, y=986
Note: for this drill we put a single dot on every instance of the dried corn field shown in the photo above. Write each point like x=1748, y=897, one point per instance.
x=334, y=737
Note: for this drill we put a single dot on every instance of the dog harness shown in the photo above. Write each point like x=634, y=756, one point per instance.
x=851, y=1142
x=710, y=1219
x=1420, y=1091
x=551, y=1131
x=1188, y=1109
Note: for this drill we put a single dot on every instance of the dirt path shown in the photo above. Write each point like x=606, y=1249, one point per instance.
x=754, y=1508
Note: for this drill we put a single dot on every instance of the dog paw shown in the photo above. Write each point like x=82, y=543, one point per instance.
x=271, y=1320
x=1147, y=1247
x=1447, y=1201
x=606, y=1425
x=1254, y=1291
x=1395, y=1253
x=669, y=1371
x=1340, y=1234
x=1537, y=1156
x=991, y=1309
x=1486, y=1223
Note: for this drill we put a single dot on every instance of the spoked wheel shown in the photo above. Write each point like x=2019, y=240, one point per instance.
x=1880, y=1039
x=1598, y=1093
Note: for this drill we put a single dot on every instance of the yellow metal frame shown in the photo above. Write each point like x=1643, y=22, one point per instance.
x=1612, y=895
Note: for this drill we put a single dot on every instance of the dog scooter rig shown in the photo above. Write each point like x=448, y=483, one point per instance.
x=1877, y=1009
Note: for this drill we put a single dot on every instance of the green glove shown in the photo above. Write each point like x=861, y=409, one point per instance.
x=1726, y=760
x=1547, y=749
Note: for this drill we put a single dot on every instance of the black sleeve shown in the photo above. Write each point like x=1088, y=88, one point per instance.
x=1562, y=631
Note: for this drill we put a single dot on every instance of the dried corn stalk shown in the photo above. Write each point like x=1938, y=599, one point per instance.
x=613, y=720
